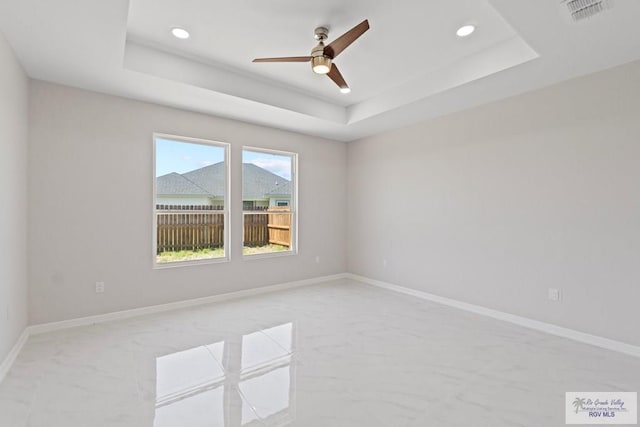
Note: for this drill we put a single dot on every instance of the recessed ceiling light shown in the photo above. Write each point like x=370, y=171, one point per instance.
x=345, y=90
x=180, y=33
x=465, y=30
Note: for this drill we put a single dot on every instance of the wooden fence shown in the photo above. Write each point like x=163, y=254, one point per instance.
x=256, y=231
x=189, y=227
x=279, y=226
x=201, y=227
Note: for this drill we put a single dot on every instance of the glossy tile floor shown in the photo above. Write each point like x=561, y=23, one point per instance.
x=335, y=354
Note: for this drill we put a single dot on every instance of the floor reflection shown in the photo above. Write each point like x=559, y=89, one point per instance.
x=245, y=380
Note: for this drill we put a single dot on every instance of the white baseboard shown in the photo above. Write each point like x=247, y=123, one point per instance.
x=549, y=328
x=582, y=337
x=125, y=314
x=90, y=320
x=7, y=363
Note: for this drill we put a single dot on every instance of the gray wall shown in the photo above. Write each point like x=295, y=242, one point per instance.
x=90, y=196
x=14, y=95
x=495, y=205
x=491, y=206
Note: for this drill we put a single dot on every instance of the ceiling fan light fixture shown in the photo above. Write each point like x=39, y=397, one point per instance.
x=345, y=90
x=321, y=64
x=180, y=33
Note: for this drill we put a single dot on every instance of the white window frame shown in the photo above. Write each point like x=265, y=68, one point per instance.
x=226, y=211
x=293, y=204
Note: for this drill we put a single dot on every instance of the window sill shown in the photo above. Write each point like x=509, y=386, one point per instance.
x=269, y=255
x=178, y=264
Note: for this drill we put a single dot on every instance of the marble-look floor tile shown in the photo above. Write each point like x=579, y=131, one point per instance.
x=336, y=354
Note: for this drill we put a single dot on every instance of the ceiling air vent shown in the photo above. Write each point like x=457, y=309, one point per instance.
x=583, y=9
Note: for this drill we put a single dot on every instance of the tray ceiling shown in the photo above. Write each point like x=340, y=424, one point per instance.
x=409, y=66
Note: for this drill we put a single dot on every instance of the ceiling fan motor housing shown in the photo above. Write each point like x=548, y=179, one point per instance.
x=320, y=63
x=321, y=33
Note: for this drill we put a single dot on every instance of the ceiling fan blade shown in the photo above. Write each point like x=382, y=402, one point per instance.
x=336, y=76
x=285, y=59
x=334, y=48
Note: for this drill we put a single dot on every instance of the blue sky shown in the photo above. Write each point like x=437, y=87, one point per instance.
x=181, y=157
x=280, y=165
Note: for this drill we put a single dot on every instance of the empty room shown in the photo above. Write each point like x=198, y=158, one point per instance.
x=319, y=214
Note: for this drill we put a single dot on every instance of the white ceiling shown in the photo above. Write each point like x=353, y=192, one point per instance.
x=409, y=66
x=413, y=37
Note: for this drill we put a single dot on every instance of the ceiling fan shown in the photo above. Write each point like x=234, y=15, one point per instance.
x=322, y=56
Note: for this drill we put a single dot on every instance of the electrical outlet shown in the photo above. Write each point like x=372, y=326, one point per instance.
x=317, y=259
x=99, y=287
x=554, y=294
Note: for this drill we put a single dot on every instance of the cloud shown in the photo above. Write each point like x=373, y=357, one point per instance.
x=281, y=167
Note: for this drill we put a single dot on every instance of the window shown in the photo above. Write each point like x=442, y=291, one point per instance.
x=190, y=200
x=269, y=201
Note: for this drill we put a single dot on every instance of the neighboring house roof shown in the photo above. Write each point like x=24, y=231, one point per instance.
x=257, y=183
x=211, y=178
x=283, y=189
x=176, y=184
